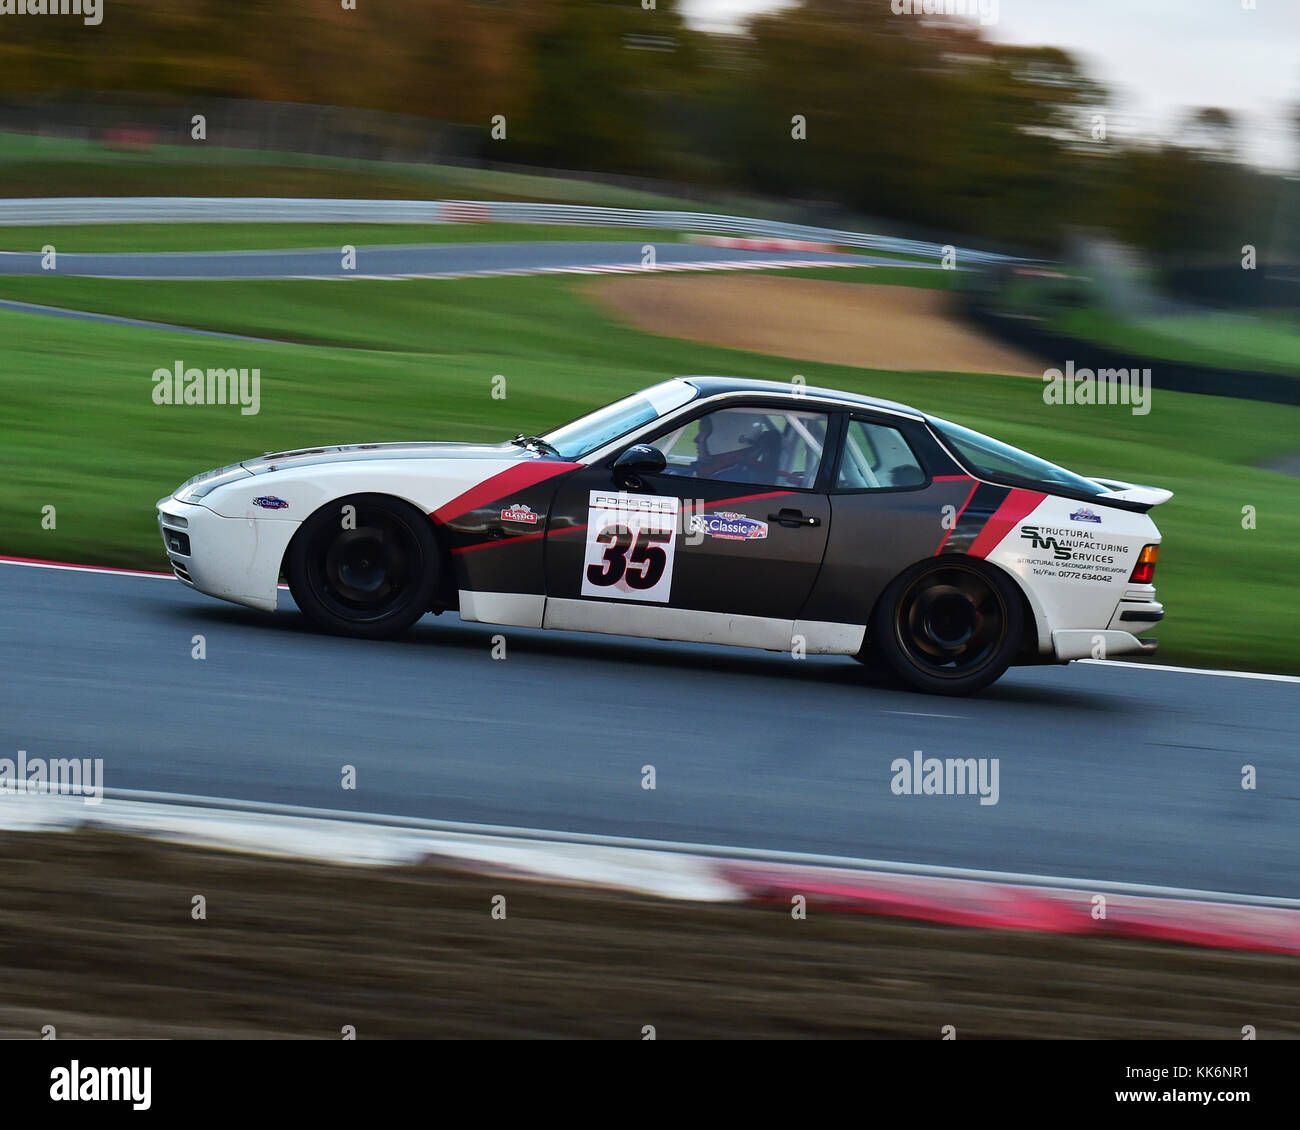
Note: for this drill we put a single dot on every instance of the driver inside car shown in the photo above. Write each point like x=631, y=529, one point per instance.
x=737, y=446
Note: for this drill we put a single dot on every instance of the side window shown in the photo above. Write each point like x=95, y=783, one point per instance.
x=876, y=457
x=767, y=447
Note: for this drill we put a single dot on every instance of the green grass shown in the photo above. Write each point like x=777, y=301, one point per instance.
x=1229, y=341
x=926, y=279
x=37, y=166
x=324, y=312
x=106, y=238
x=417, y=360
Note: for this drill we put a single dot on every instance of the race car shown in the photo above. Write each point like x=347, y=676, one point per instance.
x=708, y=509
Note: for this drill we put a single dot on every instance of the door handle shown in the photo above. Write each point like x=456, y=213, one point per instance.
x=794, y=518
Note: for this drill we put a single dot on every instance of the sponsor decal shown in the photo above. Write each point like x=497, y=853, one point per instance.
x=270, y=502
x=1089, y=558
x=520, y=513
x=1083, y=514
x=729, y=526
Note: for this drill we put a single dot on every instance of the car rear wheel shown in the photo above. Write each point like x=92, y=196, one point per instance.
x=948, y=626
x=364, y=566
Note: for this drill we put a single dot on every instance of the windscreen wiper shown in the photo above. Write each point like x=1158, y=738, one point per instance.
x=537, y=442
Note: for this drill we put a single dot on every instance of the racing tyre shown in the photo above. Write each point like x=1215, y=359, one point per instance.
x=369, y=572
x=948, y=626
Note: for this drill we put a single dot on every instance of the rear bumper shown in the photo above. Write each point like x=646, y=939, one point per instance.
x=1137, y=612
x=1085, y=643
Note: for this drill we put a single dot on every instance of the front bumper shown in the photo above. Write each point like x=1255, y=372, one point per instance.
x=235, y=559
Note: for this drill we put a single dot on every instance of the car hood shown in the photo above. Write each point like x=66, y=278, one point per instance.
x=362, y=452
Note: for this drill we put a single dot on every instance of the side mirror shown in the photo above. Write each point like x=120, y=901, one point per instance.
x=639, y=459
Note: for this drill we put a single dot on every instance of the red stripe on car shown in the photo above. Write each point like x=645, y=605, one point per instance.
x=974, y=486
x=711, y=505
x=510, y=481
x=748, y=498
x=1018, y=505
x=497, y=541
x=583, y=527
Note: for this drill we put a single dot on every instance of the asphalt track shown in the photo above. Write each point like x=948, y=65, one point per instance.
x=397, y=261
x=1106, y=772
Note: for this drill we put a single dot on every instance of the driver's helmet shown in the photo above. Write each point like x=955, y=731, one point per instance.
x=723, y=433
x=736, y=444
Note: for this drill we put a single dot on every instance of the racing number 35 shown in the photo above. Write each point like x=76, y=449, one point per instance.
x=642, y=568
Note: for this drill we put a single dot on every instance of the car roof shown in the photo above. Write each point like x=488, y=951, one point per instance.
x=714, y=386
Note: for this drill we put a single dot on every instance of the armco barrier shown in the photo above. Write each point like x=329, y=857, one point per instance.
x=281, y=210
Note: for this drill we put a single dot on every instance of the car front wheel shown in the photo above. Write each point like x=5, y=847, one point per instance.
x=364, y=566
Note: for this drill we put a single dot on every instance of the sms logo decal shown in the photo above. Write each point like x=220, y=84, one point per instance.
x=1038, y=540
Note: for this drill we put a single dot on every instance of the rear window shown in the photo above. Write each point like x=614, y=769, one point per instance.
x=876, y=457
x=992, y=459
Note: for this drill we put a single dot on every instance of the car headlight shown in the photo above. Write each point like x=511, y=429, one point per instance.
x=191, y=490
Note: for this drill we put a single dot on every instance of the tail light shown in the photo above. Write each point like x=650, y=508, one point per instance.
x=1146, y=566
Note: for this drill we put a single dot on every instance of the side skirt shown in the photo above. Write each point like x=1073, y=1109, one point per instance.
x=515, y=609
x=693, y=626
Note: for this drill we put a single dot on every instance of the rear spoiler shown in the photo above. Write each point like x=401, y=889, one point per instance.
x=1137, y=496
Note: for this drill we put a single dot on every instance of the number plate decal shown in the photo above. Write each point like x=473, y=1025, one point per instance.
x=631, y=541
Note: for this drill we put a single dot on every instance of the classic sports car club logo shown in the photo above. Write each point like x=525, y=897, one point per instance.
x=520, y=513
x=270, y=502
x=729, y=526
x=1083, y=514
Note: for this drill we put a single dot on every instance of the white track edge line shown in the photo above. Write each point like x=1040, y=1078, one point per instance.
x=1265, y=675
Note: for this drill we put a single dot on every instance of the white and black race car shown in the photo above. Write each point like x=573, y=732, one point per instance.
x=707, y=509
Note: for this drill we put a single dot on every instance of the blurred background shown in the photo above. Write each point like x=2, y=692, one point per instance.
x=942, y=126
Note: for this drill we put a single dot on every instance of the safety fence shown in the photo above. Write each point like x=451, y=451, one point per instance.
x=252, y=209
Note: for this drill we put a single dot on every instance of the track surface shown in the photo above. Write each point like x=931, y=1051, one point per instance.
x=434, y=258
x=115, y=320
x=1106, y=772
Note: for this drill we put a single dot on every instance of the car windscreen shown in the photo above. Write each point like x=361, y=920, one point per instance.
x=588, y=433
x=995, y=460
